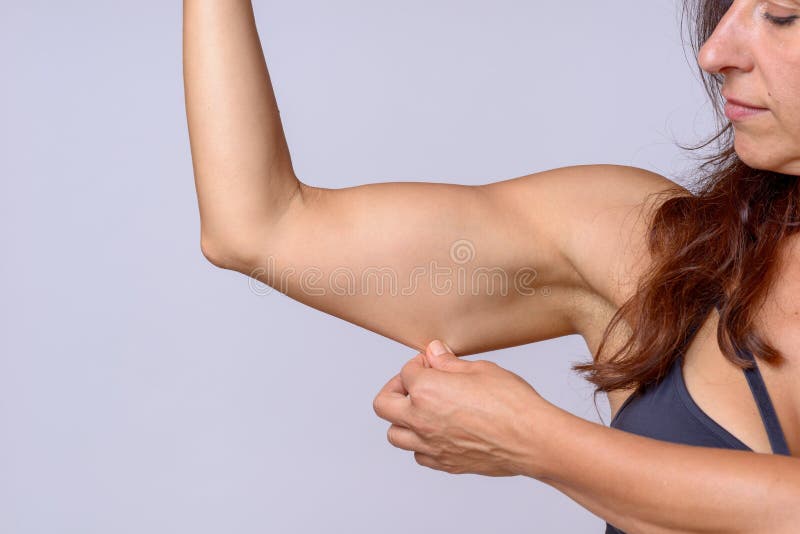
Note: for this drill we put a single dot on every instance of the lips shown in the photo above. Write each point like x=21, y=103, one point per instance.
x=739, y=109
x=737, y=113
x=741, y=103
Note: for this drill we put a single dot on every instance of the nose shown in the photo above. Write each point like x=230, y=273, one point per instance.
x=727, y=46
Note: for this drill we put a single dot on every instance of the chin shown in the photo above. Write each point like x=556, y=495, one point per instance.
x=767, y=164
x=754, y=155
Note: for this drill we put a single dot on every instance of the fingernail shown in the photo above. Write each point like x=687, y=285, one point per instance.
x=438, y=348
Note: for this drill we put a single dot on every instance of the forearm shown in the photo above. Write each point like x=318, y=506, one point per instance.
x=641, y=484
x=243, y=171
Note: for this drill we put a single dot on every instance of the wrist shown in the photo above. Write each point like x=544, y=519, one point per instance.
x=535, y=458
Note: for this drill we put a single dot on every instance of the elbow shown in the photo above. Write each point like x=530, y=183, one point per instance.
x=242, y=244
x=216, y=253
x=229, y=254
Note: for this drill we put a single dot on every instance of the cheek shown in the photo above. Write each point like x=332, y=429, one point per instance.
x=784, y=94
x=791, y=92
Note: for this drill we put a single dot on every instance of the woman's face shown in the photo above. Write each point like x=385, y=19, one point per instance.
x=756, y=48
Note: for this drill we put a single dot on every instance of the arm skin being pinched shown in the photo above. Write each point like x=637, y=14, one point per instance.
x=640, y=484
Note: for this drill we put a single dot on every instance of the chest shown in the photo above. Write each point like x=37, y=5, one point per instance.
x=719, y=388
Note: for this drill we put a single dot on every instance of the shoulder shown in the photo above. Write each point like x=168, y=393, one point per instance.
x=596, y=216
x=588, y=224
x=603, y=232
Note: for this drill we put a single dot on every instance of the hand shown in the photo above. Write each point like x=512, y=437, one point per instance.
x=461, y=416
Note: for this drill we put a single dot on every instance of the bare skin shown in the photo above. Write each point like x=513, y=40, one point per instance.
x=581, y=229
x=760, y=63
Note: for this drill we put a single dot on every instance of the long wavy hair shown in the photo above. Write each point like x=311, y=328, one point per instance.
x=716, y=245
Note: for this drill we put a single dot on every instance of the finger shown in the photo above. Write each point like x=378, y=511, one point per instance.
x=392, y=404
x=424, y=359
x=427, y=460
x=441, y=357
x=406, y=439
x=412, y=370
x=394, y=386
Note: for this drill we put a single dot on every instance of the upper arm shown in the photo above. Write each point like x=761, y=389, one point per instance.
x=595, y=216
x=480, y=267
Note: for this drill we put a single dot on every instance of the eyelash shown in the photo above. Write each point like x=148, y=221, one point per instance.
x=780, y=21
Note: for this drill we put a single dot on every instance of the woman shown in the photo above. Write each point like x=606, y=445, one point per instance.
x=674, y=291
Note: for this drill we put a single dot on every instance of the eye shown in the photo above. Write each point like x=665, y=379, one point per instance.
x=780, y=21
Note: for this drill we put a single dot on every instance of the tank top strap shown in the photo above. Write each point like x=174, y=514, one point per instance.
x=765, y=407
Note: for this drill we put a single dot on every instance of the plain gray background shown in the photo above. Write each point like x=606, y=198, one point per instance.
x=143, y=389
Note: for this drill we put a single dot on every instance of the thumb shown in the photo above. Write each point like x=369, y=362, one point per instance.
x=440, y=356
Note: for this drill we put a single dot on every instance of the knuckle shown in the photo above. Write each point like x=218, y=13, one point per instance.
x=448, y=365
x=404, y=374
x=377, y=405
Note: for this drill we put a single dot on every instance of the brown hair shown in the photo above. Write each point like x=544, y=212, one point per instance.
x=718, y=244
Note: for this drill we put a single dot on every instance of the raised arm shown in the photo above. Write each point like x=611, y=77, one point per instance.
x=243, y=173
x=480, y=267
